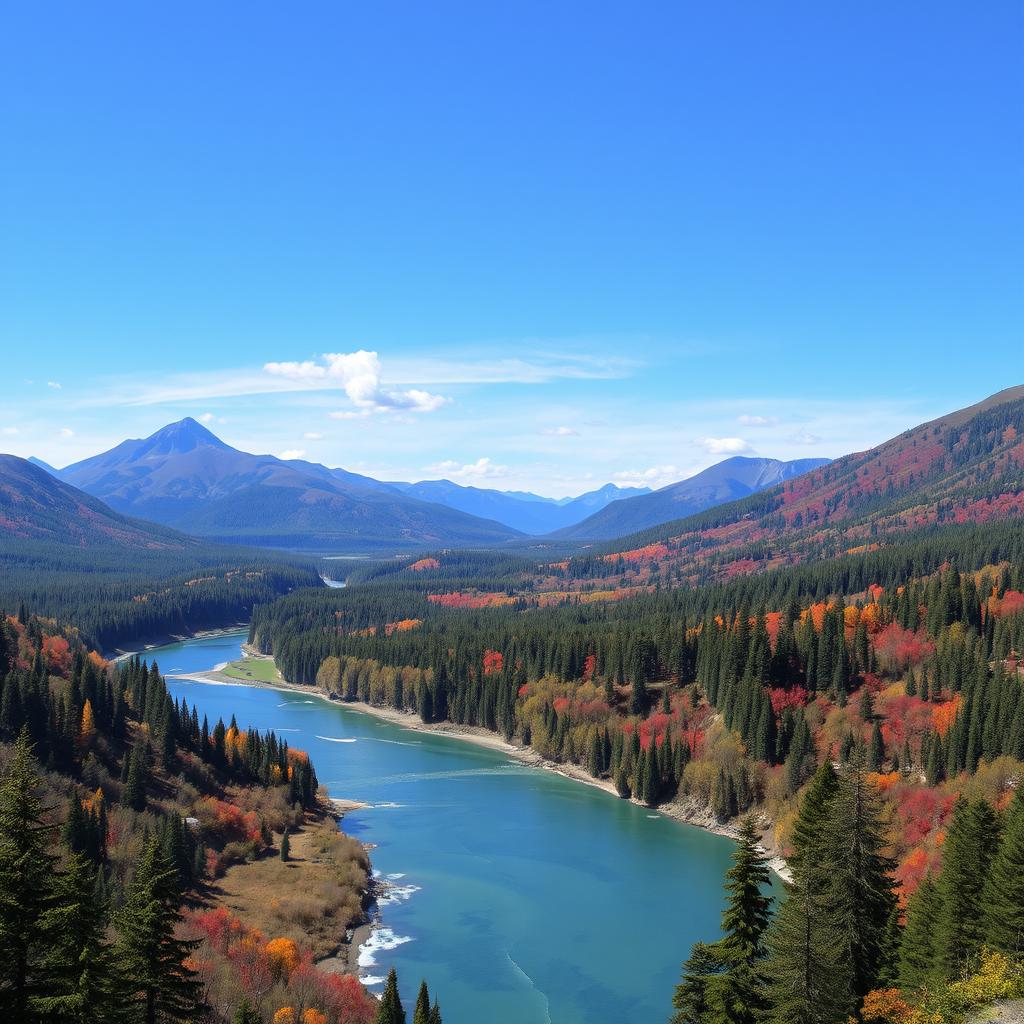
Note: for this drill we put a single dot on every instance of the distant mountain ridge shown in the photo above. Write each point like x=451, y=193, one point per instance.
x=523, y=511
x=726, y=481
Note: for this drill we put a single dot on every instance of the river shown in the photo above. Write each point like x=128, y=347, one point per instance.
x=522, y=897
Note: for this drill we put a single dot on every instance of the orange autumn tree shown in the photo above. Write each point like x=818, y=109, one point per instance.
x=87, y=726
x=312, y=1016
x=286, y=1015
x=283, y=955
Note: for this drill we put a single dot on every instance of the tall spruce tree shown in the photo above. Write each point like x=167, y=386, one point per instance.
x=156, y=984
x=421, y=1015
x=27, y=894
x=722, y=981
x=1004, y=891
x=79, y=962
x=861, y=889
x=918, y=946
x=390, y=1010
x=971, y=842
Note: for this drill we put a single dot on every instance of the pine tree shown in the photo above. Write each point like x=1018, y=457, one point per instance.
x=421, y=1015
x=435, y=1014
x=390, y=1010
x=157, y=986
x=722, y=981
x=286, y=845
x=26, y=886
x=246, y=1014
x=876, y=752
x=918, y=947
x=79, y=963
x=1004, y=891
x=861, y=889
x=971, y=841
x=812, y=814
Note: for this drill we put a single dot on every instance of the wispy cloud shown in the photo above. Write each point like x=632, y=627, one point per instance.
x=805, y=437
x=312, y=435
x=53, y=384
x=757, y=421
x=358, y=374
x=66, y=433
x=482, y=469
x=655, y=476
x=560, y=432
x=207, y=417
x=724, y=445
x=10, y=431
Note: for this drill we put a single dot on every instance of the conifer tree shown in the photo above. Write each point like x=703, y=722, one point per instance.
x=918, y=946
x=390, y=1010
x=812, y=814
x=1004, y=891
x=156, y=984
x=722, y=982
x=26, y=886
x=421, y=1015
x=286, y=845
x=78, y=962
x=862, y=897
x=246, y=1014
x=970, y=845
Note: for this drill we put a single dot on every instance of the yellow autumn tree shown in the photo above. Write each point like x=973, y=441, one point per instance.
x=87, y=726
x=286, y=1015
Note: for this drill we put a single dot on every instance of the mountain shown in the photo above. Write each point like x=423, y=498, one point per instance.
x=186, y=477
x=521, y=510
x=36, y=506
x=726, y=481
x=961, y=469
x=43, y=465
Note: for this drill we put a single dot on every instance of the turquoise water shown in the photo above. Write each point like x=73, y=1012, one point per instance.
x=521, y=896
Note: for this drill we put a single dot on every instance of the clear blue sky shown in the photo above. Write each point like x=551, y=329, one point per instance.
x=586, y=241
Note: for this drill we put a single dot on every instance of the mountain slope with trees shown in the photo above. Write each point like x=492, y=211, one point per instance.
x=726, y=481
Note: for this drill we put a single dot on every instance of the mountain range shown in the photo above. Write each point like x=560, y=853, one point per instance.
x=184, y=476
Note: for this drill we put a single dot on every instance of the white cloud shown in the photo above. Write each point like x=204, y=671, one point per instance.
x=66, y=432
x=656, y=476
x=10, y=431
x=757, y=421
x=53, y=384
x=348, y=414
x=312, y=435
x=805, y=437
x=724, y=445
x=292, y=453
x=560, y=432
x=207, y=417
x=482, y=469
x=358, y=374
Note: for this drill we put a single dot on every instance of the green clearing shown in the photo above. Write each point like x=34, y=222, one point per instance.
x=259, y=669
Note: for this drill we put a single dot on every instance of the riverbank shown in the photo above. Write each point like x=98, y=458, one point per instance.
x=321, y=897
x=688, y=812
x=161, y=640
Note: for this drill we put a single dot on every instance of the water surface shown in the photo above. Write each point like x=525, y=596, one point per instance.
x=523, y=897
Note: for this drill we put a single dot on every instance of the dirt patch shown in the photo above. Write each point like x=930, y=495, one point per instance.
x=316, y=898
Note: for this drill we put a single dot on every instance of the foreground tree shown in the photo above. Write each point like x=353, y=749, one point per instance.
x=390, y=1010
x=1004, y=893
x=26, y=893
x=722, y=982
x=157, y=986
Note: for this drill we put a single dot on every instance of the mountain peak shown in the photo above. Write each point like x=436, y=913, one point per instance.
x=182, y=436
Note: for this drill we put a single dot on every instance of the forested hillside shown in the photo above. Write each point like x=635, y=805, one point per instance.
x=64, y=554
x=967, y=467
x=119, y=808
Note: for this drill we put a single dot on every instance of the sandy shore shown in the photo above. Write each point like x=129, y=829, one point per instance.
x=688, y=812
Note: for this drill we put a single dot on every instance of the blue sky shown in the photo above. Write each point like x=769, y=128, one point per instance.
x=585, y=241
